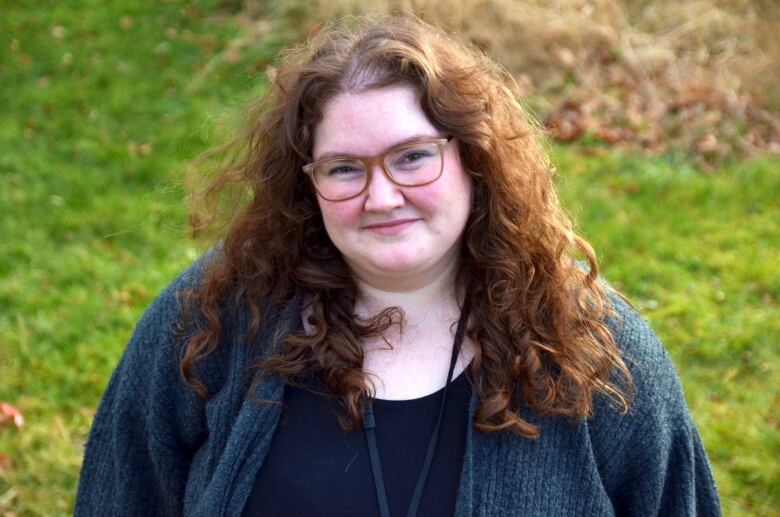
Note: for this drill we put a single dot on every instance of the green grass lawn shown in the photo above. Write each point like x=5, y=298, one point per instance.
x=104, y=104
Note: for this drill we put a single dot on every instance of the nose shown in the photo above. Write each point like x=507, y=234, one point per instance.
x=382, y=194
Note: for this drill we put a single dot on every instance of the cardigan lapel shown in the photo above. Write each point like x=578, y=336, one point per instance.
x=254, y=427
x=464, y=504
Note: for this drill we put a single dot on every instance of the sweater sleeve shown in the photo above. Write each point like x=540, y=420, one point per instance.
x=147, y=426
x=652, y=460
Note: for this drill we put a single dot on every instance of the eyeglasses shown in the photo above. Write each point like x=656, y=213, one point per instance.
x=408, y=165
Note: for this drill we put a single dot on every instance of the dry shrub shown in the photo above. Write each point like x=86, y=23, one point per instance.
x=698, y=76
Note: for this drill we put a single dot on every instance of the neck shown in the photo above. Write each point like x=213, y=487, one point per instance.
x=411, y=361
x=434, y=293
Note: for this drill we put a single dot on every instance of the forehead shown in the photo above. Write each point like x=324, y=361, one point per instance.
x=370, y=122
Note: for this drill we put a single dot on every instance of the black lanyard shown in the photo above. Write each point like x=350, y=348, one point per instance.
x=373, y=451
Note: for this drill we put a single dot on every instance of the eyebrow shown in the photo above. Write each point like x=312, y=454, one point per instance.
x=407, y=140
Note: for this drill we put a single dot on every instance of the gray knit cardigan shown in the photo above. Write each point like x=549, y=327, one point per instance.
x=156, y=448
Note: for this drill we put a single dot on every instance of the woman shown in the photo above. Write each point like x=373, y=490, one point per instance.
x=394, y=323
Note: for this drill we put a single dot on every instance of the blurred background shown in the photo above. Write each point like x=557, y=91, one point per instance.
x=664, y=121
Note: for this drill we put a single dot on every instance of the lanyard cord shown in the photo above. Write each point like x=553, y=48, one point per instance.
x=369, y=424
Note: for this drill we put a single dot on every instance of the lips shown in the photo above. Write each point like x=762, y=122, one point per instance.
x=392, y=227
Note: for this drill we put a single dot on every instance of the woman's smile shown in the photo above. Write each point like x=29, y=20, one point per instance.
x=392, y=227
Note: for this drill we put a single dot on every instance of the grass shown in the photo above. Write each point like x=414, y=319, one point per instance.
x=102, y=116
x=696, y=254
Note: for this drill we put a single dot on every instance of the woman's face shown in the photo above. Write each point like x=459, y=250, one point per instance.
x=397, y=236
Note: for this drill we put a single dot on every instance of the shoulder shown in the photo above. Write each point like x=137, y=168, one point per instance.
x=645, y=357
x=161, y=325
x=655, y=447
x=657, y=387
x=158, y=341
x=149, y=421
x=164, y=331
x=169, y=306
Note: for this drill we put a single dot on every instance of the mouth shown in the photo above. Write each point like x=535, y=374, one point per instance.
x=390, y=224
x=392, y=227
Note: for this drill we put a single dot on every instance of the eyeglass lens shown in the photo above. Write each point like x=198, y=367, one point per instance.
x=409, y=166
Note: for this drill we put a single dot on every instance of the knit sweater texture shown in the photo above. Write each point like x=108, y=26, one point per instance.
x=157, y=448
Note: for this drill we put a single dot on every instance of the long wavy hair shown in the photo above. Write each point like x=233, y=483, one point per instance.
x=538, y=318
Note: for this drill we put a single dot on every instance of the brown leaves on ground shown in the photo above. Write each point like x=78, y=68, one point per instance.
x=10, y=415
x=697, y=76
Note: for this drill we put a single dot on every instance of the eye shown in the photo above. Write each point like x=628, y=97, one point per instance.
x=412, y=158
x=341, y=169
x=415, y=156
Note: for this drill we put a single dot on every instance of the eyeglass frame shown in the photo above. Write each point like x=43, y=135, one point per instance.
x=379, y=159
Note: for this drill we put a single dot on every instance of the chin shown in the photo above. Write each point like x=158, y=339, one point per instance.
x=396, y=267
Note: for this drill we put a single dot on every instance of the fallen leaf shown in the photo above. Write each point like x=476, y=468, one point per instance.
x=9, y=414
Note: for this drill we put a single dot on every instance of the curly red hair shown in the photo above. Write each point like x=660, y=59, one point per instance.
x=538, y=320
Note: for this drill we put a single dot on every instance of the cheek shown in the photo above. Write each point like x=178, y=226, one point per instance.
x=445, y=198
x=461, y=195
x=340, y=217
x=428, y=199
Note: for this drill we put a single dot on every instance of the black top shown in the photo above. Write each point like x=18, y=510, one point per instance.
x=313, y=467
